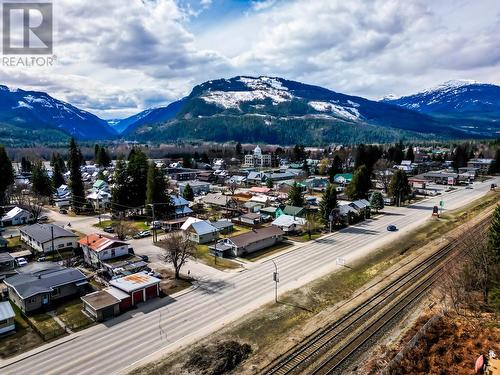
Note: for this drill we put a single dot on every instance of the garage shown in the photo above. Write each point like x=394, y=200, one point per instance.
x=101, y=305
x=140, y=287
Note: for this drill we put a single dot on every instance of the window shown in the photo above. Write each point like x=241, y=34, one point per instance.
x=55, y=292
x=113, y=252
x=69, y=244
x=31, y=300
x=60, y=246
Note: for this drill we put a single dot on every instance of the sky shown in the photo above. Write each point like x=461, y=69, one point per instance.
x=115, y=58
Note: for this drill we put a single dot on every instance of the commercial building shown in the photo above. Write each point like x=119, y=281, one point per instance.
x=258, y=159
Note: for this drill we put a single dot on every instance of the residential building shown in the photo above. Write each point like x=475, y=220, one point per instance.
x=202, y=232
x=294, y=211
x=224, y=226
x=289, y=224
x=98, y=248
x=3, y=243
x=7, y=265
x=251, y=218
x=247, y=243
x=7, y=315
x=16, y=216
x=218, y=200
x=258, y=159
x=99, y=200
x=342, y=178
x=181, y=206
x=273, y=212
x=33, y=291
x=45, y=238
x=198, y=187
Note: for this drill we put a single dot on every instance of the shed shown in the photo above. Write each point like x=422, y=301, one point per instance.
x=101, y=305
x=7, y=316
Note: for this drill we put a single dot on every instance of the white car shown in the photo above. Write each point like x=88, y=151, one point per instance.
x=21, y=262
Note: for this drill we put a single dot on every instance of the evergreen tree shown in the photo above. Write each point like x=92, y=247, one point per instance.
x=76, y=182
x=239, y=149
x=156, y=192
x=396, y=153
x=103, y=158
x=295, y=196
x=299, y=153
x=269, y=183
x=41, y=183
x=137, y=172
x=119, y=192
x=336, y=168
x=188, y=193
x=494, y=233
x=399, y=187
x=6, y=173
x=328, y=203
x=26, y=165
x=495, y=165
x=410, y=155
x=367, y=155
x=96, y=153
x=460, y=156
x=360, y=184
x=377, y=201
x=57, y=175
x=187, y=162
x=305, y=168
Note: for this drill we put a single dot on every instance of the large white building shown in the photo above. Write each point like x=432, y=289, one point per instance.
x=258, y=159
x=40, y=237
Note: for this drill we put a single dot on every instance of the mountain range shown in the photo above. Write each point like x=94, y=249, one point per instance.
x=265, y=109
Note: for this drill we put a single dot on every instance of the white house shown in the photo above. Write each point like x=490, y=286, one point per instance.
x=289, y=223
x=40, y=237
x=7, y=316
x=16, y=216
x=97, y=248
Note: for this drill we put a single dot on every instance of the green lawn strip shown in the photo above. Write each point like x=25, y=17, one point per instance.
x=46, y=326
x=139, y=226
x=239, y=230
x=72, y=316
x=14, y=242
x=274, y=322
x=268, y=251
x=203, y=256
x=305, y=237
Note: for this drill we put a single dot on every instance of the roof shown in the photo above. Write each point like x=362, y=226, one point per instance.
x=99, y=184
x=190, y=220
x=361, y=203
x=259, y=189
x=255, y=235
x=250, y=216
x=134, y=282
x=287, y=220
x=259, y=199
x=99, y=242
x=203, y=227
x=216, y=199
x=100, y=299
x=178, y=200
x=194, y=183
x=222, y=224
x=270, y=209
x=30, y=284
x=15, y=212
x=292, y=210
x=6, y=311
x=22, y=253
x=42, y=232
x=183, y=210
x=6, y=257
x=117, y=293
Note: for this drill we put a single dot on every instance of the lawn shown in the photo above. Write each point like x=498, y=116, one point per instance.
x=136, y=225
x=14, y=242
x=46, y=326
x=305, y=237
x=239, y=230
x=25, y=337
x=268, y=251
x=72, y=316
x=204, y=256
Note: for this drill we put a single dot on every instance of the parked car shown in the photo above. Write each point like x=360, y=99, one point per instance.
x=144, y=233
x=109, y=229
x=63, y=211
x=21, y=262
x=41, y=259
x=144, y=258
x=392, y=228
x=155, y=225
x=43, y=219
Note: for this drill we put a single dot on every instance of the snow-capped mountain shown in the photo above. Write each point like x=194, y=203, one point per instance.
x=461, y=99
x=276, y=110
x=38, y=111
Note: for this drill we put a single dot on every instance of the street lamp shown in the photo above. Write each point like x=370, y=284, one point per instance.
x=276, y=279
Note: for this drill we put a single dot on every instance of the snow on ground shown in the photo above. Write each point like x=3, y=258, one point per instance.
x=232, y=99
x=349, y=113
x=21, y=104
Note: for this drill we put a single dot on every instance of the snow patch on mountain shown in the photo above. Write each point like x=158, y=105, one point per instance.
x=233, y=99
x=349, y=113
x=21, y=104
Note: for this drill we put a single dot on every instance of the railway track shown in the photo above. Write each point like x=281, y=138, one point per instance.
x=339, y=340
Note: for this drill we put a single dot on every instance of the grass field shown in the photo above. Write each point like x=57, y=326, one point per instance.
x=136, y=225
x=203, y=256
x=72, y=316
x=268, y=251
x=14, y=242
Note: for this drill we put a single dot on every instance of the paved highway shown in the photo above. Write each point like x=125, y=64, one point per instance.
x=117, y=348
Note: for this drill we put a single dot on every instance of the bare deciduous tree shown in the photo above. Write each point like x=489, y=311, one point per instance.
x=177, y=250
x=122, y=229
x=232, y=187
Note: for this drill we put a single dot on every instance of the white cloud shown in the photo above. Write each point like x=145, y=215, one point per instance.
x=116, y=58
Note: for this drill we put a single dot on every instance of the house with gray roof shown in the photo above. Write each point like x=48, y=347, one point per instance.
x=16, y=216
x=37, y=290
x=202, y=232
x=46, y=238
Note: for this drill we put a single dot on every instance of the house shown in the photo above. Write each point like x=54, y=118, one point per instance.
x=362, y=207
x=101, y=305
x=251, y=218
x=280, y=176
x=218, y=200
x=259, y=190
x=289, y=224
x=294, y=211
x=99, y=199
x=17, y=216
x=181, y=206
x=63, y=191
x=247, y=243
x=190, y=220
x=7, y=265
x=223, y=226
x=98, y=248
x=202, y=232
x=342, y=178
x=256, y=177
x=7, y=315
x=33, y=291
x=198, y=187
x=139, y=287
x=273, y=212
x=40, y=237
x=101, y=185
x=207, y=176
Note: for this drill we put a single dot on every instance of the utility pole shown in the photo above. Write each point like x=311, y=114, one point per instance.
x=99, y=209
x=276, y=278
x=154, y=226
